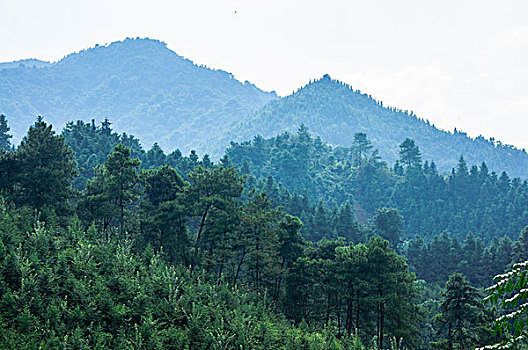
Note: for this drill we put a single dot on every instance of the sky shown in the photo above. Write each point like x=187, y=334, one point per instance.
x=460, y=64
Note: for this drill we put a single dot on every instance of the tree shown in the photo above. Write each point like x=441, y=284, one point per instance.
x=361, y=147
x=45, y=170
x=163, y=222
x=392, y=290
x=520, y=248
x=5, y=144
x=459, y=312
x=511, y=293
x=122, y=180
x=113, y=189
x=210, y=190
x=410, y=154
x=388, y=223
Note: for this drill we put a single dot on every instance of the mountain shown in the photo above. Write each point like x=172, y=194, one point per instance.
x=30, y=62
x=140, y=85
x=335, y=111
x=147, y=90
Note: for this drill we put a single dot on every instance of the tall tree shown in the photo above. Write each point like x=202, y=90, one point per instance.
x=388, y=223
x=122, y=181
x=410, y=154
x=5, y=143
x=361, y=147
x=46, y=168
x=210, y=190
x=459, y=312
x=113, y=189
x=163, y=222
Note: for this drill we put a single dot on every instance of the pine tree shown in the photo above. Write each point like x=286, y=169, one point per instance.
x=388, y=223
x=46, y=168
x=410, y=154
x=361, y=147
x=459, y=312
x=5, y=143
x=122, y=180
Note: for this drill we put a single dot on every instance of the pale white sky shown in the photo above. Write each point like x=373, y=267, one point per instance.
x=457, y=63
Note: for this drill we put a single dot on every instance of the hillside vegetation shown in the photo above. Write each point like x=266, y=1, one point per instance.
x=142, y=86
x=335, y=111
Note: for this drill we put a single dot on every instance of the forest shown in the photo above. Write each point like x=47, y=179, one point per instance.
x=284, y=243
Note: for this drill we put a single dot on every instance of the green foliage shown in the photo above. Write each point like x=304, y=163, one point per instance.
x=460, y=313
x=335, y=111
x=510, y=292
x=41, y=170
x=113, y=189
x=5, y=143
x=217, y=258
x=142, y=86
x=470, y=199
x=388, y=223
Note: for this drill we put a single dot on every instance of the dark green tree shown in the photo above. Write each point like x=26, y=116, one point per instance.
x=388, y=224
x=113, y=189
x=410, y=155
x=163, y=222
x=5, y=143
x=460, y=309
x=121, y=172
x=361, y=147
x=210, y=190
x=45, y=170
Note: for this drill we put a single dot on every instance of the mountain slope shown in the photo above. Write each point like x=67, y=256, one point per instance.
x=334, y=111
x=139, y=84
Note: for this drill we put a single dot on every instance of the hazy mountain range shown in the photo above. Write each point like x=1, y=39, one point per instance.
x=149, y=91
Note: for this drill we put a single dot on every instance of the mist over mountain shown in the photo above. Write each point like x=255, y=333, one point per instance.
x=139, y=84
x=335, y=111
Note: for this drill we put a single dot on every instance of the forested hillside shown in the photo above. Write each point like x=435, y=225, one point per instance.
x=142, y=86
x=335, y=111
x=470, y=199
x=162, y=251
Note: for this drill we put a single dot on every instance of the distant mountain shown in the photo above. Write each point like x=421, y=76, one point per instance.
x=147, y=90
x=30, y=63
x=334, y=111
x=139, y=84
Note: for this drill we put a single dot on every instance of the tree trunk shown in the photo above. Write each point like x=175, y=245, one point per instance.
x=239, y=266
x=122, y=218
x=338, y=316
x=198, y=236
x=328, y=309
x=279, y=280
x=357, y=310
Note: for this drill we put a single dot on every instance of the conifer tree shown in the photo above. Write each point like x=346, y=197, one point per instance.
x=410, y=154
x=459, y=312
x=5, y=143
x=122, y=180
x=361, y=148
x=46, y=168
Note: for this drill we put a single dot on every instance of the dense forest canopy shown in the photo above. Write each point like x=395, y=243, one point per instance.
x=285, y=243
x=471, y=198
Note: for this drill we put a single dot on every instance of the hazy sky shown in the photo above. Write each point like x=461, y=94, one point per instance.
x=457, y=63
